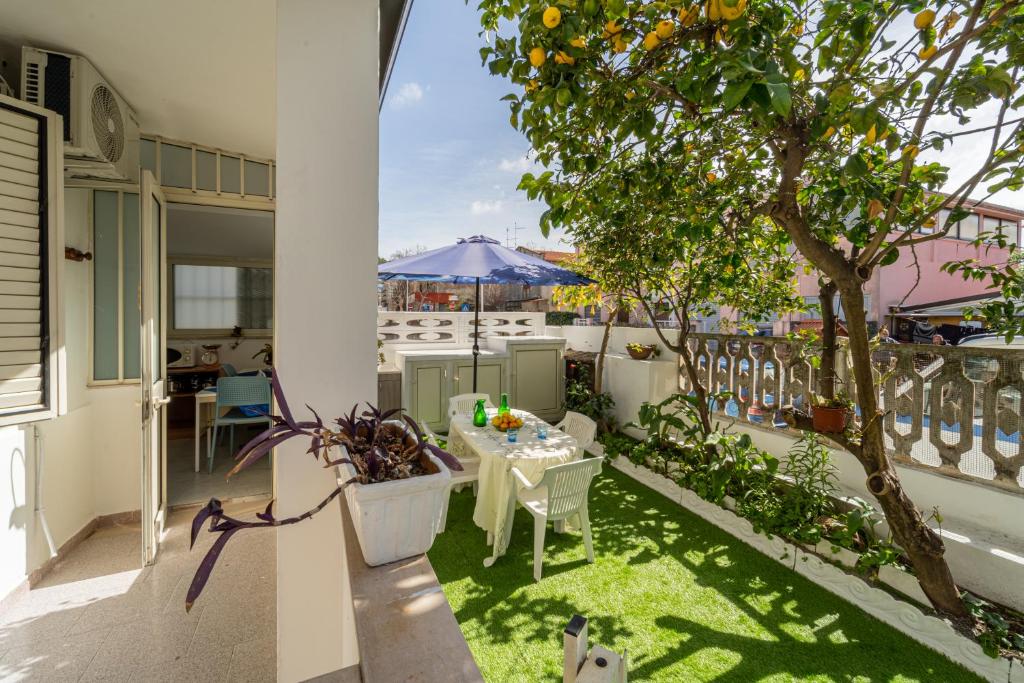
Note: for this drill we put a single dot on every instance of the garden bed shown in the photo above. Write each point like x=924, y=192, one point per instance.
x=812, y=563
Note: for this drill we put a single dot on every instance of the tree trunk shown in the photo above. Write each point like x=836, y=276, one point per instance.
x=923, y=546
x=602, y=423
x=827, y=371
x=599, y=361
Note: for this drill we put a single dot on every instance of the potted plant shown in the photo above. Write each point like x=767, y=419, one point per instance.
x=395, y=482
x=639, y=351
x=831, y=415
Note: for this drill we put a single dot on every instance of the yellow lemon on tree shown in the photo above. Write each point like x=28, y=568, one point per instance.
x=829, y=133
x=711, y=177
x=612, y=28
x=618, y=44
x=552, y=17
x=664, y=29
x=531, y=85
x=689, y=16
x=927, y=52
x=651, y=41
x=734, y=11
x=713, y=8
x=537, y=57
x=562, y=58
x=924, y=19
x=579, y=42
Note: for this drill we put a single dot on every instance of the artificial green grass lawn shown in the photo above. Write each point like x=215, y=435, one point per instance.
x=688, y=601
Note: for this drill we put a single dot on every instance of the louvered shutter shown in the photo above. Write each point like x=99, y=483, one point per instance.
x=27, y=299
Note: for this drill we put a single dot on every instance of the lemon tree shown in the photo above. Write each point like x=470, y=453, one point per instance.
x=810, y=114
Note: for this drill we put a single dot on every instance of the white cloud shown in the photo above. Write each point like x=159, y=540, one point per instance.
x=479, y=207
x=407, y=95
x=520, y=165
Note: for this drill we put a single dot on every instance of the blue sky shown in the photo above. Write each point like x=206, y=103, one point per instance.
x=449, y=159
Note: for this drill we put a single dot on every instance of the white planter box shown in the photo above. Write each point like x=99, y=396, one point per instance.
x=397, y=519
x=904, y=582
x=833, y=552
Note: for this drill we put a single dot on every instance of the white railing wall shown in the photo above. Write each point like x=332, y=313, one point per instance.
x=415, y=327
x=957, y=409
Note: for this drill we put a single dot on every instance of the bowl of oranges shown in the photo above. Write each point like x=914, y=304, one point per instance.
x=506, y=421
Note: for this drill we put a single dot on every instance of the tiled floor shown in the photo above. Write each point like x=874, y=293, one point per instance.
x=185, y=485
x=99, y=616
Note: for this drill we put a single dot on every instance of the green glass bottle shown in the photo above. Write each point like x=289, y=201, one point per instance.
x=503, y=408
x=479, y=414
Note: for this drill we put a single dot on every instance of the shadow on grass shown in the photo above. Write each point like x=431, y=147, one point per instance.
x=687, y=600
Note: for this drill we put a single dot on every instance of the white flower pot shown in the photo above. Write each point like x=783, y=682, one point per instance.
x=396, y=519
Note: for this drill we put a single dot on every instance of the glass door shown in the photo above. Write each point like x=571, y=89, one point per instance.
x=154, y=364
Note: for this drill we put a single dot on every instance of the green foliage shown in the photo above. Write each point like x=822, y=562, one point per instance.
x=997, y=632
x=560, y=317
x=580, y=398
x=798, y=121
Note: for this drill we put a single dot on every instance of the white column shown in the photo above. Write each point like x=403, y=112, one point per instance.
x=325, y=300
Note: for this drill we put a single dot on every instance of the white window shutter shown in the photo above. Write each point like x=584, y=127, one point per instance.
x=31, y=249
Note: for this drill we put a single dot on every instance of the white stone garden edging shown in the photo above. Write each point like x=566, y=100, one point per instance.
x=901, y=615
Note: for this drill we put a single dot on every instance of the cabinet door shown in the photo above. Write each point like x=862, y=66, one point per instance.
x=537, y=378
x=429, y=399
x=489, y=379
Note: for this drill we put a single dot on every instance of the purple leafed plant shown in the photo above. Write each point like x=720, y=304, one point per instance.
x=380, y=446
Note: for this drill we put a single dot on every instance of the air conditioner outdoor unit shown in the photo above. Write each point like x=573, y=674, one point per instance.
x=101, y=133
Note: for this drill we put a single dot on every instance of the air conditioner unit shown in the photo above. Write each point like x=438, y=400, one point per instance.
x=101, y=132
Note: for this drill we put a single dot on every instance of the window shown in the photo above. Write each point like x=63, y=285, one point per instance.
x=31, y=237
x=185, y=166
x=218, y=298
x=1002, y=226
x=116, y=268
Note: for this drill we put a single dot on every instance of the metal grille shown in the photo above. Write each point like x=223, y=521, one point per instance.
x=107, y=124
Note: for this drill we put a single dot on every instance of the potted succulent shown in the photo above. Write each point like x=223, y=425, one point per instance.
x=639, y=351
x=831, y=415
x=395, y=482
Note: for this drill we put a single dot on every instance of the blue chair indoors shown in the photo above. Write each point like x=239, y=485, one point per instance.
x=229, y=370
x=246, y=400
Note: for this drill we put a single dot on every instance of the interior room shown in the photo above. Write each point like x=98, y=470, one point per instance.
x=220, y=324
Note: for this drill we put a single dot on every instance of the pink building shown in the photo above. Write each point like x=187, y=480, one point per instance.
x=916, y=278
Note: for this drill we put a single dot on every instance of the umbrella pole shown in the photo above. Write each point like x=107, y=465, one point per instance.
x=476, y=331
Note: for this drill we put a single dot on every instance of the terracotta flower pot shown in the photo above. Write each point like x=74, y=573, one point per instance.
x=642, y=352
x=828, y=420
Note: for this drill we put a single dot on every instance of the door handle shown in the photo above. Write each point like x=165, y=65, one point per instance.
x=161, y=401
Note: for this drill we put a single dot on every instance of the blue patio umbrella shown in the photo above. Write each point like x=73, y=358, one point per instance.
x=478, y=260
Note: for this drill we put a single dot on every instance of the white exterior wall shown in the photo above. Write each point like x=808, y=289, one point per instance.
x=91, y=463
x=325, y=297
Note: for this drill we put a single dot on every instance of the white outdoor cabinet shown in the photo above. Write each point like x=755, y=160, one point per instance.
x=490, y=378
x=529, y=369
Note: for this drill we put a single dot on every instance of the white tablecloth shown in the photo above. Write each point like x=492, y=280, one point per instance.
x=496, y=492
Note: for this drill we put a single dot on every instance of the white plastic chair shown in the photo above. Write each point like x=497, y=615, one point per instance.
x=463, y=404
x=470, y=474
x=560, y=494
x=580, y=427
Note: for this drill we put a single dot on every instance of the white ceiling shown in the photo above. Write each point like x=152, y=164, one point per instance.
x=192, y=70
x=215, y=231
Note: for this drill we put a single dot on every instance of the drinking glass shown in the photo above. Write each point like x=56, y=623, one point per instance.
x=542, y=431
x=512, y=434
